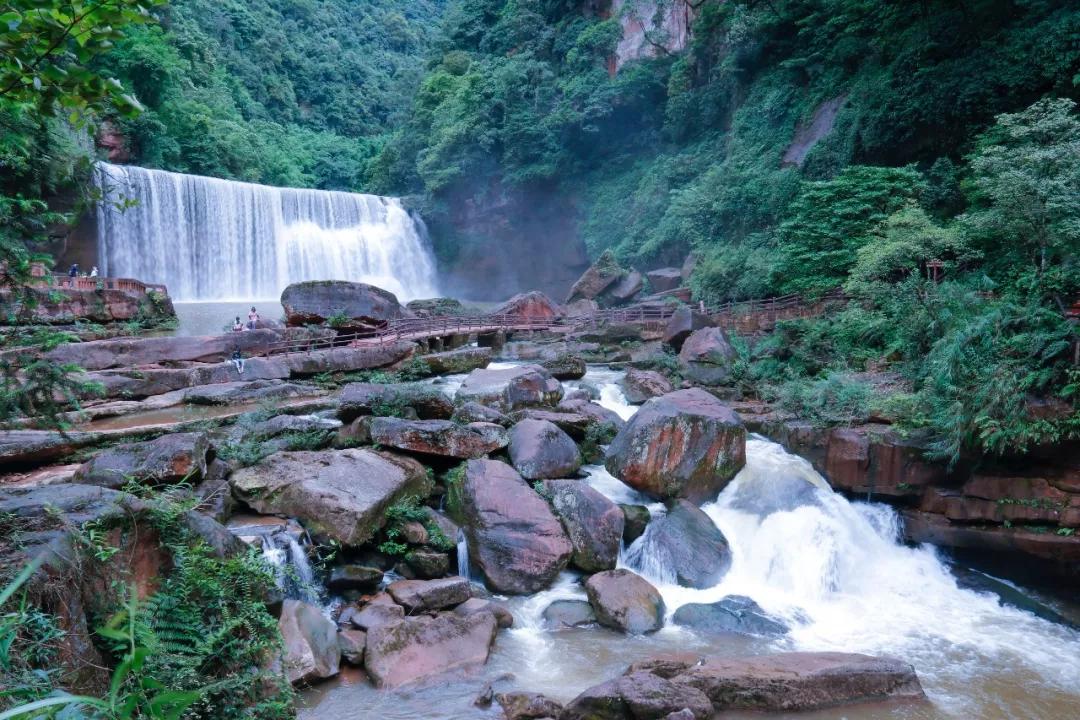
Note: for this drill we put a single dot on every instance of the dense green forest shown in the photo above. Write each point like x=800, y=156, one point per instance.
x=955, y=138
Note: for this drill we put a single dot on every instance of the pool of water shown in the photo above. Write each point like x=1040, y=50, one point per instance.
x=215, y=318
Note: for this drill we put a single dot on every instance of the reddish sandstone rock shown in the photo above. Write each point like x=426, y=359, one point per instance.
x=664, y=279
x=422, y=647
x=362, y=305
x=539, y=450
x=167, y=460
x=686, y=444
x=683, y=322
x=530, y=306
x=594, y=523
x=311, y=643
x=625, y=601
x=513, y=535
x=789, y=682
x=638, y=695
x=598, y=278
x=438, y=437
x=640, y=385
x=706, y=357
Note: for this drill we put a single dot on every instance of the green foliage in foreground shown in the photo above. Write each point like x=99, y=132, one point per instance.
x=200, y=647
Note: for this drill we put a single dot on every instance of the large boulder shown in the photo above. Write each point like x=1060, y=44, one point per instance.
x=436, y=307
x=530, y=306
x=462, y=360
x=641, y=385
x=539, y=450
x=594, y=523
x=625, y=601
x=626, y=289
x=664, y=279
x=598, y=278
x=527, y=706
x=683, y=322
x=686, y=444
x=577, y=422
x=565, y=367
x=511, y=388
x=166, y=460
x=422, y=647
x=358, y=305
x=687, y=544
x=733, y=614
x=342, y=495
x=311, y=643
x=796, y=682
x=438, y=437
x=422, y=595
x=513, y=536
x=639, y=696
x=472, y=412
x=707, y=357
x=569, y=614
x=392, y=399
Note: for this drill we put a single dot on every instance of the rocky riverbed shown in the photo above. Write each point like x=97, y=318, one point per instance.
x=482, y=530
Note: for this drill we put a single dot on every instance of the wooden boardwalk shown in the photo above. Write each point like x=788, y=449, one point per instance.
x=742, y=317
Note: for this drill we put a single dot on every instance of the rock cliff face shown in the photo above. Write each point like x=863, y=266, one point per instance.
x=651, y=28
x=62, y=307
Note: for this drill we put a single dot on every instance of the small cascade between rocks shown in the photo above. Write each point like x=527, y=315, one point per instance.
x=212, y=239
x=463, y=556
x=291, y=564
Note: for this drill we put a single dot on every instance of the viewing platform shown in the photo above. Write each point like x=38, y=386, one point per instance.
x=43, y=278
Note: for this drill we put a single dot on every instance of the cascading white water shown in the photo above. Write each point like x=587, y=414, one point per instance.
x=463, y=556
x=211, y=239
x=292, y=568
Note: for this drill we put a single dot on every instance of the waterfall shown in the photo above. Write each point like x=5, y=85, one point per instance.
x=463, y=555
x=292, y=568
x=211, y=239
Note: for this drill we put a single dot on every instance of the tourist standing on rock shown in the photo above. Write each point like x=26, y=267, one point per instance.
x=253, y=319
x=238, y=360
x=238, y=326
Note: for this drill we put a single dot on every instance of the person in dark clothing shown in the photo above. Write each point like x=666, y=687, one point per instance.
x=238, y=361
x=74, y=271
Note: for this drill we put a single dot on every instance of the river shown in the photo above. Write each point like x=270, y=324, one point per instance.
x=835, y=570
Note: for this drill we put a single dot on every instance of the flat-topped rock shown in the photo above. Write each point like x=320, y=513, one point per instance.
x=796, y=682
x=167, y=460
x=392, y=399
x=420, y=595
x=511, y=388
x=356, y=304
x=341, y=494
x=423, y=647
x=462, y=360
x=438, y=437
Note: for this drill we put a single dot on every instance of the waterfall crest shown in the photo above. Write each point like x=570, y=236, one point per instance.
x=211, y=239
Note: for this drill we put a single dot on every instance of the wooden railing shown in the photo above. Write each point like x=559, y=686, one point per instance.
x=406, y=329
x=65, y=282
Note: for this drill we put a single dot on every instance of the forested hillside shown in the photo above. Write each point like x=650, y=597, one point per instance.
x=794, y=146
x=284, y=92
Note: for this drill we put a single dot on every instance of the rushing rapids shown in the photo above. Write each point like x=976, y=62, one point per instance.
x=835, y=571
x=211, y=239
